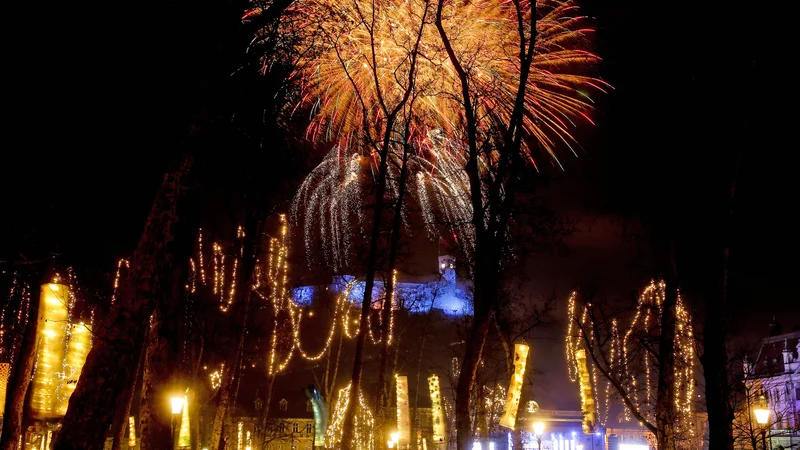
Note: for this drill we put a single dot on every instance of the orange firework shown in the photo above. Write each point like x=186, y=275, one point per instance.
x=360, y=64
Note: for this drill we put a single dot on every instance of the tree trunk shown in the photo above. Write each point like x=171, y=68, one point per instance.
x=466, y=377
x=244, y=290
x=263, y=424
x=124, y=408
x=111, y=362
x=21, y=380
x=386, y=308
x=158, y=387
x=715, y=351
x=666, y=416
x=361, y=339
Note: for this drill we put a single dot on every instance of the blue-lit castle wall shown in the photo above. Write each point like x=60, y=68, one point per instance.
x=444, y=292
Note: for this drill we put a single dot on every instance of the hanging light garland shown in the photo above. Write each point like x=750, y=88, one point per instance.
x=120, y=264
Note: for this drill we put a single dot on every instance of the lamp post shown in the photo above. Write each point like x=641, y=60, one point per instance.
x=762, y=417
x=177, y=402
x=538, y=430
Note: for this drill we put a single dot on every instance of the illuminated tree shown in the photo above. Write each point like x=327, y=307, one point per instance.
x=19, y=351
x=632, y=361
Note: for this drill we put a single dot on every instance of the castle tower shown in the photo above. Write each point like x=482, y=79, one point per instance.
x=447, y=268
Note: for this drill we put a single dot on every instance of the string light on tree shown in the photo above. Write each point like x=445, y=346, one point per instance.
x=629, y=362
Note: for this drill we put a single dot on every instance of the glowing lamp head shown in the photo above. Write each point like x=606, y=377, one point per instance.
x=395, y=437
x=391, y=443
x=579, y=446
x=538, y=428
x=177, y=404
x=762, y=416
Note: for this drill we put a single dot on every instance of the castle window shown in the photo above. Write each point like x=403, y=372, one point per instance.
x=284, y=405
x=308, y=406
x=295, y=427
x=308, y=428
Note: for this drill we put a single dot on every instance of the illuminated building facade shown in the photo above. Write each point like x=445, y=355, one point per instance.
x=442, y=291
x=773, y=378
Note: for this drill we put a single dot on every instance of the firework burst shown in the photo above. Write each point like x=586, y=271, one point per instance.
x=361, y=63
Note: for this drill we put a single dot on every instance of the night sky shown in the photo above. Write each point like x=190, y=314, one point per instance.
x=98, y=102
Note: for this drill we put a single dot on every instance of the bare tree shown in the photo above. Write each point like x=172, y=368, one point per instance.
x=111, y=363
x=632, y=361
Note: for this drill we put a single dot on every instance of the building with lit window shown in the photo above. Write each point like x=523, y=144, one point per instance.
x=772, y=382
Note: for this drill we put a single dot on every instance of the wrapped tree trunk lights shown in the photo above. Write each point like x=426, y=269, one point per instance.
x=403, y=416
x=439, y=429
x=509, y=419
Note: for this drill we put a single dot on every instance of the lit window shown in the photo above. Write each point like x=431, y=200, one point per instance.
x=295, y=427
x=309, y=428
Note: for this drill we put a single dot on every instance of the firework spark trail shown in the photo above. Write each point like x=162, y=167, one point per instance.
x=331, y=200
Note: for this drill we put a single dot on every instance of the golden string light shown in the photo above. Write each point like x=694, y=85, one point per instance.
x=62, y=350
x=5, y=369
x=120, y=264
x=216, y=377
x=437, y=415
x=223, y=286
x=363, y=436
x=131, y=431
x=50, y=355
x=515, y=385
x=626, y=363
x=184, y=433
x=587, y=396
x=403, y=416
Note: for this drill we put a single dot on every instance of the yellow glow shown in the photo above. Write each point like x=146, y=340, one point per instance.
x=4, y=372
x=77, y=349
x=538, y=428
x=52, y=330
x=131, y=431
x=184, y=435
x=509, y=418
x=364, y=433
x=587, y=396
x=762, y=416
x=437, y=415
x=177, y=404
x=395, y=437
x=403, y=416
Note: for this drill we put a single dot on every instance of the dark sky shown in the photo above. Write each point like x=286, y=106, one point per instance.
x=98, y=101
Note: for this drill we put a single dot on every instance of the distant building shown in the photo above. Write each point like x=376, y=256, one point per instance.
x=290, y=426
x=773, y=380
x=442, y=291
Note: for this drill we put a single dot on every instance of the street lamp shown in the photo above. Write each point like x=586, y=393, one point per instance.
x=395, y=440
x=579, y=446
x=762, y=417
x=538, y=430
